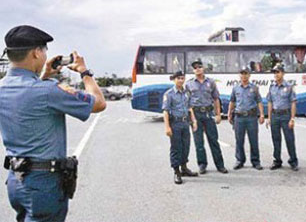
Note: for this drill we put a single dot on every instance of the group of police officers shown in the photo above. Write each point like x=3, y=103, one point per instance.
x=198, y=103
x=32, y=123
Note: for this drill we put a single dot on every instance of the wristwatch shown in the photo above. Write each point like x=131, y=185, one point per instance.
x=87, y=72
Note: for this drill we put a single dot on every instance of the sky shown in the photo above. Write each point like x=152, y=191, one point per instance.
x=107, y=33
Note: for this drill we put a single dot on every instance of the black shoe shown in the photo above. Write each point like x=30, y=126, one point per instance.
x=202, y=169
x=188, y=173
x=258, y=167
x=222, y=170
x=295, y=168
x=178, y=178
x=275, y=166
x=237, y=166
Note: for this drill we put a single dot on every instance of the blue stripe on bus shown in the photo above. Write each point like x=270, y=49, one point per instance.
x=149, y=98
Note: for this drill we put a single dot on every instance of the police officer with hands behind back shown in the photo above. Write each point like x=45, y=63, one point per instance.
x=32, y=123
x=204, y=98
x=176, y=117
x=245, y=99
x=281, y=113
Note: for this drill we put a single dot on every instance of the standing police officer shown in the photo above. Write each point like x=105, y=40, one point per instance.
x=204, y=98
x=176, y=117
x=281, y=113
x=244, y=99
x=33, y=128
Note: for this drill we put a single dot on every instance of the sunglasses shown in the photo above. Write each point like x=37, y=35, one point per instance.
x=276, y=71
x=198, y=67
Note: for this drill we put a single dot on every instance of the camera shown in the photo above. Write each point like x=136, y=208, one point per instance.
x=62, y=61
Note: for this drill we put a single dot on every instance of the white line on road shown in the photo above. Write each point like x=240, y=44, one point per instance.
x=86, y=137
x=224, y=144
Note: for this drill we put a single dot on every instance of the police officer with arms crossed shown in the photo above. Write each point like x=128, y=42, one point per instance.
x=32, y=124
x=281, y=113
x=176, y=118
x=245, y=99
x=204, y=98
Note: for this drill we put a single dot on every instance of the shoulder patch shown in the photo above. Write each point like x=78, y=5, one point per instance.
x=84, y=97
x=67, y=89
x=292, y=88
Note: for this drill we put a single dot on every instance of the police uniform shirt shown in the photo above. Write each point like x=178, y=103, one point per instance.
x=32, y=114
x=281, y=96
x=245, y=98
x=176, y=102
x=202, y=94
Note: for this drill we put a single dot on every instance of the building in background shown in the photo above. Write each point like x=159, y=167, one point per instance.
x=228, y=34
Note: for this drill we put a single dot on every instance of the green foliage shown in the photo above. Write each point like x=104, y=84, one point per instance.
x=107, y=81
x=2, y=74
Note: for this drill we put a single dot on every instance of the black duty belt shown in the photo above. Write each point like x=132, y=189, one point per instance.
x=203, y=109
x=281, y=111
x=26, y=164
x=251, y=112
x=179, y=119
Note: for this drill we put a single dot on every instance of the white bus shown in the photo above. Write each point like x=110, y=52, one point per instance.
x=222, y=61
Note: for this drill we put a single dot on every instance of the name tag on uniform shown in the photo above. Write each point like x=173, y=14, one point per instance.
x=285, y=89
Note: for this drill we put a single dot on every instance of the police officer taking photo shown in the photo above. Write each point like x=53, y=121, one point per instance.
x=281, y=113
x=245, y=99
x=177, y=113
x=204, y=100
x=41, y=178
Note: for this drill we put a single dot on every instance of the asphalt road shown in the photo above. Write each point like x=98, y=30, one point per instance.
x=125, y=176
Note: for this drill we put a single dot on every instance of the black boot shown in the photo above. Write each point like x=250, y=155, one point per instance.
x=177, y=176
x=187, y=172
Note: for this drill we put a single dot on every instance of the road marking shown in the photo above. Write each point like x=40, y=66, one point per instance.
x=224, y=144
x=86, y=137
x=299, y=125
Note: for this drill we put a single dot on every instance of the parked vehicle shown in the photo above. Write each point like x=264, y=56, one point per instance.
x=110, y=95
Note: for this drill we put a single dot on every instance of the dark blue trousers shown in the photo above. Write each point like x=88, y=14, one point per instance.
x=249, y=125
x=279, y=122
x=207, y=123
x=180, y=143
x=38, y=197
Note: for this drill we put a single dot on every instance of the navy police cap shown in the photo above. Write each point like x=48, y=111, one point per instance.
x=26, y=37
x=176, y=74
x=196, y=62
x=278, y=67
x=244, y=69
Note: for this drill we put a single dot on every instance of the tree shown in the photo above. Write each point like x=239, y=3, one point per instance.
x=2, y=74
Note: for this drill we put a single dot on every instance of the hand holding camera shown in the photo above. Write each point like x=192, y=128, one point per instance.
x=73, y=62
x=78, y=64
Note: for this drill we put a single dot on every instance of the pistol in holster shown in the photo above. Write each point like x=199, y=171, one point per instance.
x=69, y=169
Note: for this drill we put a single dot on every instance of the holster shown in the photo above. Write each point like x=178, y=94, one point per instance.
x=69, y=169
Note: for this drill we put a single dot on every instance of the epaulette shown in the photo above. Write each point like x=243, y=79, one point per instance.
x=51, y=79
x=190, y=79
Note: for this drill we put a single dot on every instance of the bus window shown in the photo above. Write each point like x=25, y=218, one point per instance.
x=175, y=62
x=232, y=61
x=154, y=62
x=288, y=60
x=213, y=62
x=263, y=60
x=299, y=60
x=255, y=60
